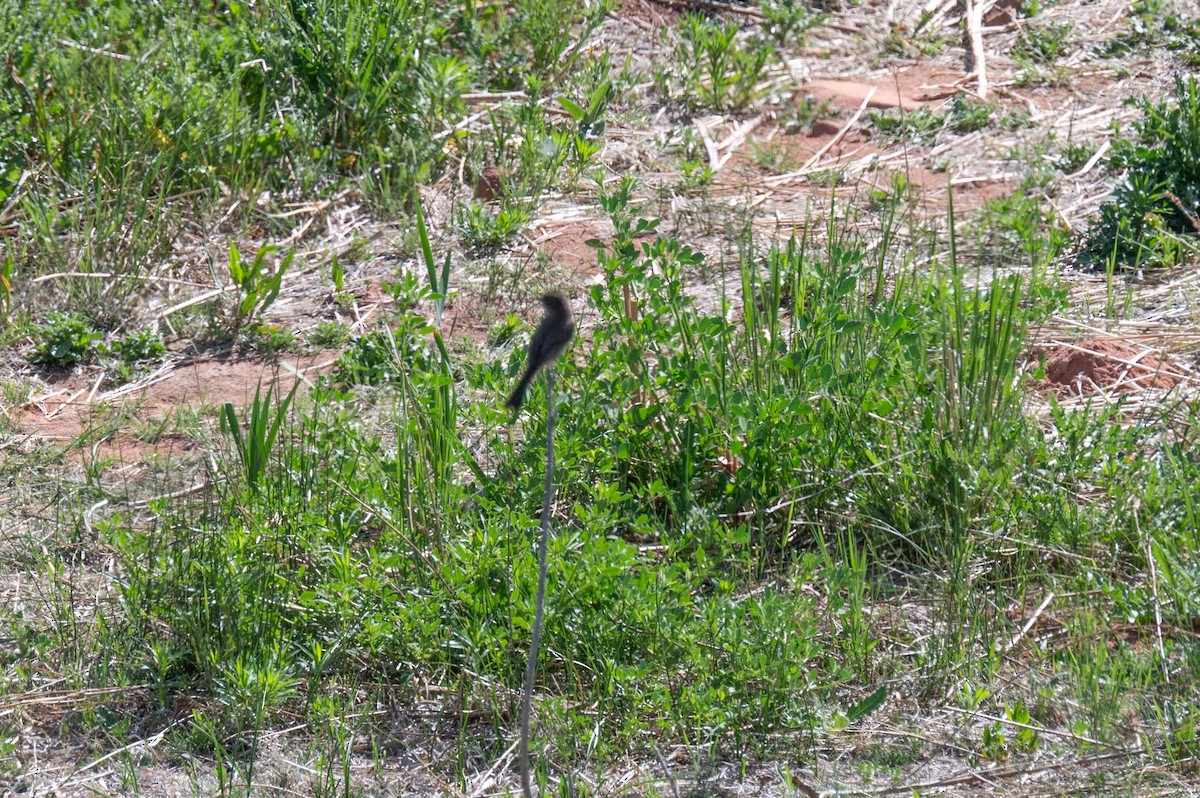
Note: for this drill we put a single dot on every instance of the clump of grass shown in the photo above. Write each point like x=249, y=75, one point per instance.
x=485, y=230
x=786, y=22
x=329, y=335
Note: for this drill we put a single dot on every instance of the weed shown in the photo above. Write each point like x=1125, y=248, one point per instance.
x=589, y=118
x=694, y=166
x=1020, y=228
x=967, y=116
x=7, y=270
x=1039, y=166
x=1041, y=75
x=257, y=288
x=787, y=21
x=801, y=113
x=486, y=230
x=139, y=346
x=505, y=331
x=1014, y=119
x=1159, y=200
x=899, y=190
x=65, y=339
x=383, y=355
x=128, y=354
x=589, y=125
x=717, y=69
x=367, y=361
x=268, y=339
x=774, y=156
x=328, y=335
x=1075, y=156
x=919, y=125
x=1043, y=43
x=922, y=41
x=13, y=395
x=254, y=447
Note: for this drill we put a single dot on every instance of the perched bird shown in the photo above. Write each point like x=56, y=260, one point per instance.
x=549, y=341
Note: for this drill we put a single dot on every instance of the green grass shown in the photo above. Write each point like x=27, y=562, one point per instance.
x=860, y=437
x=109, y=145
x=803, y=489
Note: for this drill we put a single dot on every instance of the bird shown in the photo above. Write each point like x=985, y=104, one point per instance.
x=548, y=342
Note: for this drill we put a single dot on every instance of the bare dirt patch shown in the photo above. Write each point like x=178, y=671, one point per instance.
x=1102, y=366
x=71, y=405
x=647, y=15
x=909, y=88
x=566, y=246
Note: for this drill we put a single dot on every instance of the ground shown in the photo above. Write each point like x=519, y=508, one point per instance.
x=808, y=148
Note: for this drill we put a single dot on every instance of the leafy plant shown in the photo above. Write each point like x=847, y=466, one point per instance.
x=254, y=447
x=439, y=283
x=369, y=360
x=328, y=334
x=589, y=120
x=894, y=194
x=138, y=346
x=787, y=21
x=967, y=116
x=589, y=125
x=919, y=125
x=773, y=156
x=1075, y=156
x=694, y=166
x=802, y=112
x=1043, y=43
x=385, y=355
x=923, y=40
x=1155, y=209
x=268, y=339
x=716, y=68
x=257, y=288
x=485, y=230
x=65, y=339
x=129, y=352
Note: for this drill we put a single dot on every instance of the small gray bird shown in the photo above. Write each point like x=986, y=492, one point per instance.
x=548, y=342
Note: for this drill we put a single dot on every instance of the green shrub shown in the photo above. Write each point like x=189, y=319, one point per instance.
x=1154, y=210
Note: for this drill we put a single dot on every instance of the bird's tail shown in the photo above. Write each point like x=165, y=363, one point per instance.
x=518, y=396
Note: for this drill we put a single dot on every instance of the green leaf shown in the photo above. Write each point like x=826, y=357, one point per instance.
x=571, y=108
x=868, y=705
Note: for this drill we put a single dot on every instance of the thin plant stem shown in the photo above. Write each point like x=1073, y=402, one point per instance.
x=539, y=610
